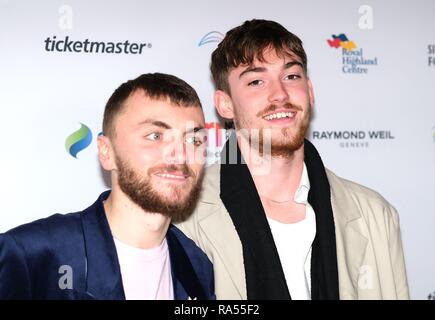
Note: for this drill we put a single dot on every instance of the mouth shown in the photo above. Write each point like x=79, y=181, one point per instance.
x=172, y=176
x=280, y=116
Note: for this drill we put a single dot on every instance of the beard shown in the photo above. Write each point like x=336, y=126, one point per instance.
x=178, y=205
x=262, y=139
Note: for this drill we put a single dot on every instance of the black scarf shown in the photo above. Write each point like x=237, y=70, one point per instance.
x=264, y=274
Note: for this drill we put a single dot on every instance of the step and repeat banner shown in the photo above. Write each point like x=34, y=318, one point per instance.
x=372, y=64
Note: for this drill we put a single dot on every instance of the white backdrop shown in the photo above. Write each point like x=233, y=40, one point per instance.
x=376, y=127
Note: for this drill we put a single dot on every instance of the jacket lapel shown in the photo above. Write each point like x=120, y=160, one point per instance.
x=103, y=276
x=351, y=244
x=184, y=278
x=226, y=244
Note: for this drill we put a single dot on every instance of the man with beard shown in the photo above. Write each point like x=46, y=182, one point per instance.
x=275, y=223
x=124, y=245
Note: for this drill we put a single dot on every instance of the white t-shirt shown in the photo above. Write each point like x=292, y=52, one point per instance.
x=293, y=242
x=146, y=273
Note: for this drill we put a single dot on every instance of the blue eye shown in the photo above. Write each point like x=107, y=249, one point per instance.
x=154, y=136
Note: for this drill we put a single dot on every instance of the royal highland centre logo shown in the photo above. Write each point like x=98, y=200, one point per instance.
x=353, y=58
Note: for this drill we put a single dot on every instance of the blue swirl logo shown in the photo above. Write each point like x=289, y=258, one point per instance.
x=78, y=140
x=213, y=36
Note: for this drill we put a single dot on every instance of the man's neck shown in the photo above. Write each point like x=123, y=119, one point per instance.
x=132, y=225
x=275, y=178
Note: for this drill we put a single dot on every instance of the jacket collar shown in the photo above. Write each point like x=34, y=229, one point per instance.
x=103, y=273
x=185, y=280
x=351, y=242
x=212, y=195
x=212, y=213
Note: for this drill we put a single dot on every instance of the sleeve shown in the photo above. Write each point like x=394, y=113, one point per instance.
x=397, y=257
x=14, y=273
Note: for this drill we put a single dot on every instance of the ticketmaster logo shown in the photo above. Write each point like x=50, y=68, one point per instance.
x=87, y=46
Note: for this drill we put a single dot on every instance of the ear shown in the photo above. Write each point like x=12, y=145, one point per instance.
x=105, y=153
x=224, y=104
x=311, y=92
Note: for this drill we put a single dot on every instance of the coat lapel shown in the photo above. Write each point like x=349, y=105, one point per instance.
x=216, y=225
x=351, y=244
x=103, y=276
x=225, y=242
x=186, y=283
x=103, y=273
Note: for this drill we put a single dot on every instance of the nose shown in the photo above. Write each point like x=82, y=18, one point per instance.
x=278, y=92
x=175, y=152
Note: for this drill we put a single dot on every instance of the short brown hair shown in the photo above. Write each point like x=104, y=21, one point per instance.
x=158, y=86
x=247, y=42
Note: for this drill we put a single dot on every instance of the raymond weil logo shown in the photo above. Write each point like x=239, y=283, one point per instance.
x=353, y=138
x=211, y=37
x=353, y=58
x=78, y=140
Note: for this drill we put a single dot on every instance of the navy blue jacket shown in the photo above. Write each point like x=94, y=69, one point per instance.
x=35, y=258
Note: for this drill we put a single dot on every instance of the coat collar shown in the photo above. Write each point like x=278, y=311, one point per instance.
x=211, y=212
x=211, y=196
x=351, y=242
x=186, y=283
x=103, y=273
